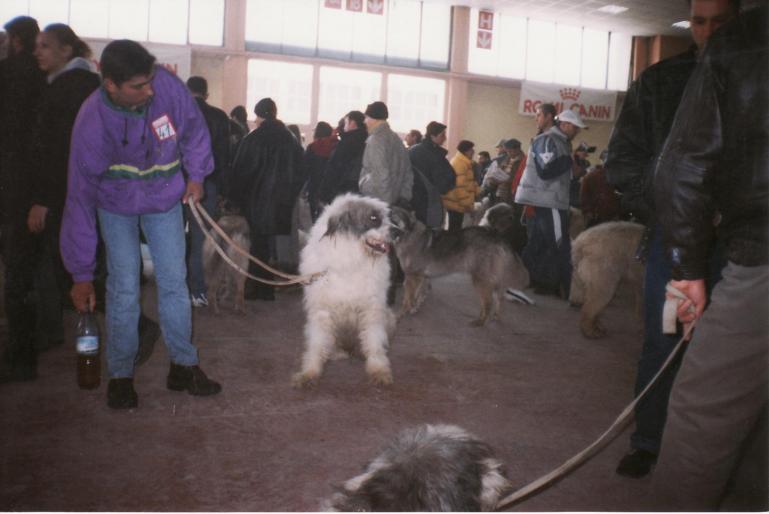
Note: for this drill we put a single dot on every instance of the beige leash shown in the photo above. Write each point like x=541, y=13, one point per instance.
x=198, y=211
x=612, y=431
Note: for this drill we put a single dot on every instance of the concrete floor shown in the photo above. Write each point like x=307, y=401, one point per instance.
x=529, y=385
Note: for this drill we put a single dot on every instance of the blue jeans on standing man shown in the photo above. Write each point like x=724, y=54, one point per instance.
x=165, y=236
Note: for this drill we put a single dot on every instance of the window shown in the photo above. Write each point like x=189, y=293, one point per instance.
x=414, y=101
x=399, y=32
x=163, y=21
x=595, y=54
x=289, y=84
x=620, y=46
x=343, y=90
x=543, y=51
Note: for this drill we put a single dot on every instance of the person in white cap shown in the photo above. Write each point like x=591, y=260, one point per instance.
x=545, y=187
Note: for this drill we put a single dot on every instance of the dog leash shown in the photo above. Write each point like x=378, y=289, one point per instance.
x=612, y=431
x=198, y=211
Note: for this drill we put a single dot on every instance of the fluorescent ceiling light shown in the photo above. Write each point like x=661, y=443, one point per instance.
x=612, y=9
x=681, y=24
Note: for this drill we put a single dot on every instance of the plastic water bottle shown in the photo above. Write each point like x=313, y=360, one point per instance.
x=88, y=358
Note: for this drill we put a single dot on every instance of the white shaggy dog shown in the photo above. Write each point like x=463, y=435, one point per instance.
x=438, y=468
x=346, y=307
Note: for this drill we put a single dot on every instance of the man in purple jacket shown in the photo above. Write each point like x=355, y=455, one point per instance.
x=131, y=141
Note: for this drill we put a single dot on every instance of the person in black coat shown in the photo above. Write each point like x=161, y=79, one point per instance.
x=266, y=178
x=429, y=159
x=343, y=166
x=22, y=86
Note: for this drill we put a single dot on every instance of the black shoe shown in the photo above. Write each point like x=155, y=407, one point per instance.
x=149, y=331
x=121, y=394
x=191, y=379
x=636, y=464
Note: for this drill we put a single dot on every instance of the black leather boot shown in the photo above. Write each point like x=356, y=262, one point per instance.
x=121, y=394
x=191, y=379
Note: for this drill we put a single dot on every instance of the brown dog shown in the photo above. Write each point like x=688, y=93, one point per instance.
x=604, y=256
x=221, y=277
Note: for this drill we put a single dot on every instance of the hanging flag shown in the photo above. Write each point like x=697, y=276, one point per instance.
x=375, y=6
x=484, y=39
x=333, y=4
x=486, y=20
x=355, y=5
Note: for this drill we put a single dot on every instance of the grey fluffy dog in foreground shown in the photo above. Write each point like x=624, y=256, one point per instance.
x=426, y=468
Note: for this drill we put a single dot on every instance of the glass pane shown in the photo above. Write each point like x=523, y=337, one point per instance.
x=168, y=21
x=403, y=32
x=620, y=46
x=128, y=20
x=541, y=51
x=369, y=36
x=49, y=11
x=9, y=9
x=207, y=22
x=413, y=102
x=436, y=34
x=335, y=29
x=511, y=34
x=289, y=84
x=595, y=50
x=300, y=26
x=264, y=24
x=568, y=54
x=482, y=61
x=89, y=18
x=343, y=90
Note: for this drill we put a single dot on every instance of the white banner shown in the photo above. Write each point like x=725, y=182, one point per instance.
x=177, y=59
x=591, y=104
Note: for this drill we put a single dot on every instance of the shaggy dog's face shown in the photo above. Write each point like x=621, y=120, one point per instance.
x=365, y=220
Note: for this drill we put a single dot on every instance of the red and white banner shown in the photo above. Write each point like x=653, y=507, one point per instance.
x=484, y=39
x=178, y=59
x=590, y=104
x=375, y=6
x=486, y=20
x=333, y=4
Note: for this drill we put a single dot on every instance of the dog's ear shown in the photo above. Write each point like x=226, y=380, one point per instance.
x=338, y=223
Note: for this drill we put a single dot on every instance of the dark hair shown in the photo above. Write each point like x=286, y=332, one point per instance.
x=67, y=37
x=434, y=128
x=294, y=129
x=239, y=113
x=358, y=117
x=485, y=154
x=266, y=109
x=123, y=59
x=734, y=4
x=197, y=85
x=547, y=108
x=322, y=129
x=417, y=135
x=465, y=145
x=26, y=29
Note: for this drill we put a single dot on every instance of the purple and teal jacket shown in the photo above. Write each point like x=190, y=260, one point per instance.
x=130, y=163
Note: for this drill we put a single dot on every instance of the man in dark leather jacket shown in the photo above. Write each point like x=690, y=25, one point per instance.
x=429, y=158
x=716, y=160
x=641, y=130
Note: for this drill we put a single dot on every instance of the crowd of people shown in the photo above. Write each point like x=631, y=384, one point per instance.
x=93, y=166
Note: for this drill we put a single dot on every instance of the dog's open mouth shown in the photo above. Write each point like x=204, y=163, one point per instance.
x=376, y=245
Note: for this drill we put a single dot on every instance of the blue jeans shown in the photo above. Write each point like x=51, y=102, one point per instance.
x=165, y=237
x=196, y=274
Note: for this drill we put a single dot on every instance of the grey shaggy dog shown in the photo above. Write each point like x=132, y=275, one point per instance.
x=603, y=257
x=223, y=279
x=481, y=252
x=426, y=468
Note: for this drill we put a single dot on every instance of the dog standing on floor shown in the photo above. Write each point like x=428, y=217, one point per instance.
x=346, y=307
x=479, y=251
x=427, y=468
x=221, y=277
x=602, y=257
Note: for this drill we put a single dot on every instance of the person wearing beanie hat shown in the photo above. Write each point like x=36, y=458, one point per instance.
x=434, y=175
x=386, y=171
x=545, y=187
x=265, y=180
